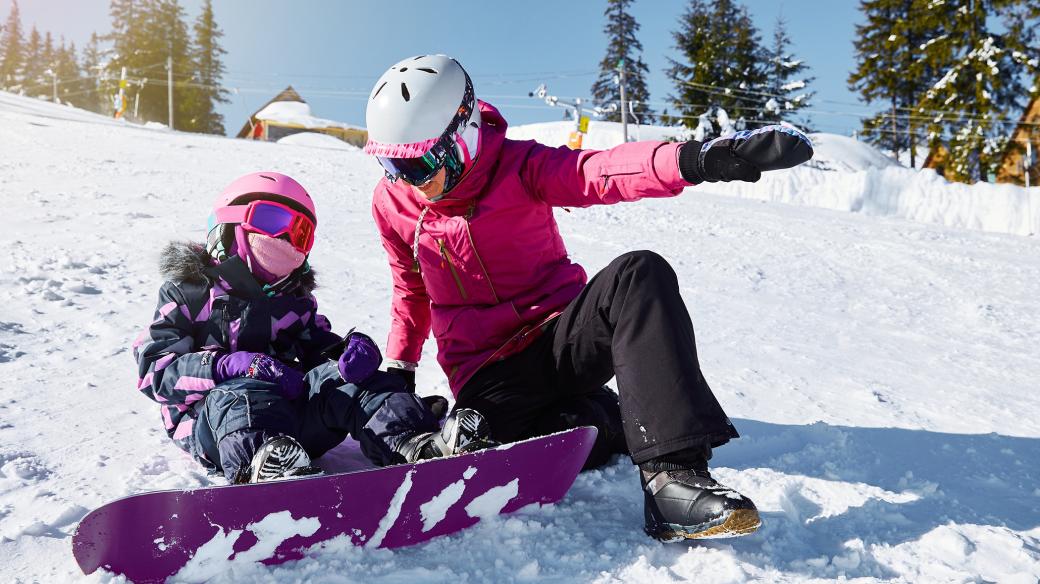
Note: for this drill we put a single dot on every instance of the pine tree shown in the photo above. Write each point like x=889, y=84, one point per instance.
x=785, y=79
x=748, y=62
x=132, y=47
x=92, y=97
x=623, y=50
x=71, y=83
x=31, y=79
x=721, y=63
x=981, y=87
x=169, y=39
x=48, y=54
x=11, y=48
x=209, y=67
x=891, y=68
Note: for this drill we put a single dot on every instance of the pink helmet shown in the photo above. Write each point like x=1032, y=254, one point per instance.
x=270, y=186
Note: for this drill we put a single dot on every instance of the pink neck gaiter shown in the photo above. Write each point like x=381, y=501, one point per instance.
x=269, y=259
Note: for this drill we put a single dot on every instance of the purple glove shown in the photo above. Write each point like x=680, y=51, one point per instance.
x=360, y=358
x=260, y=367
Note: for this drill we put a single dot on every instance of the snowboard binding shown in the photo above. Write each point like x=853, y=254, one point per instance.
x=464, y=430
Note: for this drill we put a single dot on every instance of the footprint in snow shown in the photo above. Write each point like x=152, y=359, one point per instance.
x=22, y=468
x=9, y=353
x=83, y=288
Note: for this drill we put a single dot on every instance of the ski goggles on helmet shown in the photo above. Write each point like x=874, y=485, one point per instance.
x=273, y=220
x=446, y=152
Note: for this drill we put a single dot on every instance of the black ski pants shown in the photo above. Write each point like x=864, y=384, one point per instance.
x=629, y=322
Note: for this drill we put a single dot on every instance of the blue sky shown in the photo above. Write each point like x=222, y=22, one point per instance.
x=333, y=51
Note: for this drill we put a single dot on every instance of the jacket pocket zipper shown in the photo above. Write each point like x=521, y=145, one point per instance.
x=487, y=278
x=451, y=266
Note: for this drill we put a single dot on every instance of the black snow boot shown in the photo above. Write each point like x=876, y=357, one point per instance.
x=682, y=501
x=281, y=457
x=464, y=430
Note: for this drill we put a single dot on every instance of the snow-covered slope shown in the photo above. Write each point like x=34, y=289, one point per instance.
x=848, y=175
x=882, y=372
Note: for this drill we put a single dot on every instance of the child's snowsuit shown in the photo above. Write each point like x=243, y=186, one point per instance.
x=206, y=310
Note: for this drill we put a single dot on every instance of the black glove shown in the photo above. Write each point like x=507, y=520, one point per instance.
x=409, y=376
x=437, y=404
x=744, y=155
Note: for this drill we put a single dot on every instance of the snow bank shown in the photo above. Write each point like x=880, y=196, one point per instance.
x=846, y=175
x=316, y=140
x=834, y=152
x=895, y=191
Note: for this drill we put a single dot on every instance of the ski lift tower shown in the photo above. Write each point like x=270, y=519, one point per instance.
x=577, y=109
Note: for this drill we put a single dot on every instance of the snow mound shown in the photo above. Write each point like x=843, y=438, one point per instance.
x=317, y=140
x=834, y=152
x=845, y=175
x=895, y=191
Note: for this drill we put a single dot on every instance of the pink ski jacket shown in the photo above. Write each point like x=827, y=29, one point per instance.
x=485, y=268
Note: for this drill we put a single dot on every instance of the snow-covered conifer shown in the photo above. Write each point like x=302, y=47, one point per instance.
x=720, y=63
x=786, y=80
x=983, y=69
x=623, y=49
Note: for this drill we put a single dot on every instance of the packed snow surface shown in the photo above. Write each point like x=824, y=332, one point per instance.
x=882, y=372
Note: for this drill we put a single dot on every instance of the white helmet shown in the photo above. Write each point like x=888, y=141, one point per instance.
x=422, y=115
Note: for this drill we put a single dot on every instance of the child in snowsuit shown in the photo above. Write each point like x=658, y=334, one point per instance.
x=251, y=380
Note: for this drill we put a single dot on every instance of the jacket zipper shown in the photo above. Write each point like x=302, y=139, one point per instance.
x=451, y=266
x=473, y=245
x=225, y=325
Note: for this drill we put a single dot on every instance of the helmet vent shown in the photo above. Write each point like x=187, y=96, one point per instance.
x=427, y=70
x=270, y=178
x=378, y=90
x=419, y=57
x=403, y=69
x=404, y=92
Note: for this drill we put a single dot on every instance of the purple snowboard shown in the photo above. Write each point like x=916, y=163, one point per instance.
x=199, y=533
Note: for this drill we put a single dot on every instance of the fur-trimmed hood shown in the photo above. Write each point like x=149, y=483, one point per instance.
x=186, y=261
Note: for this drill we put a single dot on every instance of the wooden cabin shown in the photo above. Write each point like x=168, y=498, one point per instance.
x=1025, y=143
x=287, y=114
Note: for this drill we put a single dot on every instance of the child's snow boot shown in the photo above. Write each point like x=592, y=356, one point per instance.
x=281, y=457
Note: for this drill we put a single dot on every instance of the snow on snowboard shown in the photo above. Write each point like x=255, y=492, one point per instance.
x=197, y=533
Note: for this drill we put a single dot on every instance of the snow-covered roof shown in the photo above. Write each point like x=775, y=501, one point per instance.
x=289, y=108
x=296, y=113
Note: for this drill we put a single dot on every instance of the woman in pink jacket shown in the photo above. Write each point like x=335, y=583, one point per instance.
x=466, y=216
